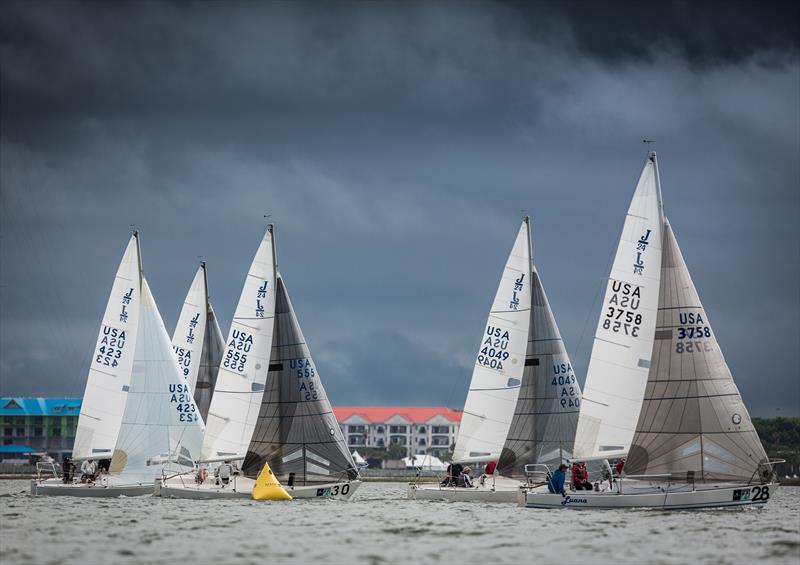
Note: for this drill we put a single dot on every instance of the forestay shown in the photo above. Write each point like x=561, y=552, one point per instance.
x=500, y=361
x=112, y=361
x=297, y=432
x=693, y=425
x=198, y=342
x=623, y=341
x=243, y=370
x=546, y=416
x=161, y=423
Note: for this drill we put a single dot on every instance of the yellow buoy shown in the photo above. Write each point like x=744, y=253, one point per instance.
x=267, y=487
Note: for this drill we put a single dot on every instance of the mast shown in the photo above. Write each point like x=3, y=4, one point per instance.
x=138, y=255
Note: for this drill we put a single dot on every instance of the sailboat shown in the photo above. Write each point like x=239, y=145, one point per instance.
x=295, y=432
x=241, y=377
x=158, y=423
x=198, y=343
x=522, y=408
x=693, y=444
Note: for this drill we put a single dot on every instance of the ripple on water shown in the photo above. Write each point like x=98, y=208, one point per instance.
x=380, y=526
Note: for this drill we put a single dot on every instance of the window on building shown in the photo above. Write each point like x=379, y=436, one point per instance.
x=398, y=440
x=38, y=432
x=357, y=429
x=8, y=420
x=56, y=432
x=20, y=420
x=422, y=430
x=380, y=442
x=380, y=430
x=355, y=440
x=398, y=429
x=8, y=432
x=440, y=429
x=20, y=432
x=8, y=441
x=439, y=441
x=421, y=441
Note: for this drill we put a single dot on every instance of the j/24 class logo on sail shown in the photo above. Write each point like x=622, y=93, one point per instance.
x=181, y=397
x=494, y=348
x=641, y=248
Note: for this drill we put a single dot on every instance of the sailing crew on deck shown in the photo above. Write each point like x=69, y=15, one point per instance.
x=465, y=480
x=88, y=470
x=580, y=477
x=224, y=472
x=555, y=483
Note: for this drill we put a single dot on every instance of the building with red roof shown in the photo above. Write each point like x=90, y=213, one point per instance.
x=428, y=429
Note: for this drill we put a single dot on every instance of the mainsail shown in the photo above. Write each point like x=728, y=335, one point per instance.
x=693, y=424
x=297, y=432
x=198, y=342
x=623, y=342
x=546, y=416
x=500, y=361
x=112, y=362
x=243, y=371
x=161, y=423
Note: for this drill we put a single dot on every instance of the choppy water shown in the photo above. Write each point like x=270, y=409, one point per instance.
x=380, y=526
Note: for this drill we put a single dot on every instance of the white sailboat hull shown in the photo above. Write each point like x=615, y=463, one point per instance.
x=503, y=491
x=241, y=487
x=55, y=487
x=716, y=496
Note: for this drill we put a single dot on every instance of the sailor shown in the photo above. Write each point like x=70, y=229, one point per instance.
x=555, y=483
x=68, y=467
x=88, y=470
x=466, y=478
x=580, y=477
x=224, y=472
x=618, y=467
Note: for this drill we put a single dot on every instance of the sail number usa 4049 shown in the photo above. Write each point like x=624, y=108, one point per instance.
x=494, y=348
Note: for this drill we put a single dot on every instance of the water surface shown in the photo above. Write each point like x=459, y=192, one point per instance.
x=380, y=526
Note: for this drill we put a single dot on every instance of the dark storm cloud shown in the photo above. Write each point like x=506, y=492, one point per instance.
x=394, y=146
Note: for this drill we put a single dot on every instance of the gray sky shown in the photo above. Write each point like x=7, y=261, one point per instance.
x=394, y=145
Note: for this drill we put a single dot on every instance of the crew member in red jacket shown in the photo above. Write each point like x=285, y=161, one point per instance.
x=580, y=477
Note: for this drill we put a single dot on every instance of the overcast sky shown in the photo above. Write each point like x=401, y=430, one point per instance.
x=394, y=145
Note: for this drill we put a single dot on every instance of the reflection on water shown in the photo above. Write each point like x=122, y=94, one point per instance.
x=380, y=526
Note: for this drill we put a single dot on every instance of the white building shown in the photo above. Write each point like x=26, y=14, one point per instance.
x=420, y=430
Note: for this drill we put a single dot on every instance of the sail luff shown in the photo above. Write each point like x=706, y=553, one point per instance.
x=500, y=360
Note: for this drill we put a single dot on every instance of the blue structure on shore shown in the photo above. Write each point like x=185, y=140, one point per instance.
x=38, y=425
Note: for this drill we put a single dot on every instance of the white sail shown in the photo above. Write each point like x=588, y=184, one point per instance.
x=161, y=422
x=112, y=361
x=693, y=424
x=500, y=361
x=623, y=342
x=243, y=371
x=190, y=331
